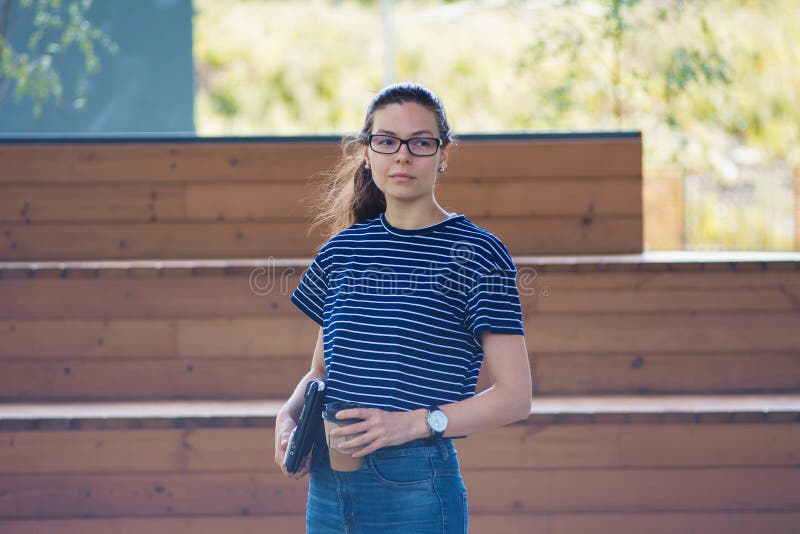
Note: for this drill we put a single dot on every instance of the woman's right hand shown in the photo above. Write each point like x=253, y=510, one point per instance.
x=283, y=430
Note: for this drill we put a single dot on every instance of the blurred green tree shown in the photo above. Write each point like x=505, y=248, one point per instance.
x=57, y=27
x=623, y=57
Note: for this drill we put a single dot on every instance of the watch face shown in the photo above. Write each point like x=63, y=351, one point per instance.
x=438, y=421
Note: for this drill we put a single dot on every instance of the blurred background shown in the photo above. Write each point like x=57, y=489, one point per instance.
x=714, y=86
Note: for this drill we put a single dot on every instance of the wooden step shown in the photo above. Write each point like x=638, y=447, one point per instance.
x=181, y=329
x=627, y=461
x=596, y=523
x=216, y=198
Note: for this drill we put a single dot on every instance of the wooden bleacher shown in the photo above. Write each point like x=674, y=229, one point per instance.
x=648, y=323
x=227, y=199
x=144, y=353
x=577, y=465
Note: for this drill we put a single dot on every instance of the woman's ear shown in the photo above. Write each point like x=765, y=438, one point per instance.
x=444, y=153
x=366, y=156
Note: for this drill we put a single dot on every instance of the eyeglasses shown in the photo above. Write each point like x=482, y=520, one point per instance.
x=418, y=146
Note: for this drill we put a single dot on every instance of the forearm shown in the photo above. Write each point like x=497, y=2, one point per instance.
x=490, y=409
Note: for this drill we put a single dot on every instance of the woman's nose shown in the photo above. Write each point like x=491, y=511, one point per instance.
x=404, y=153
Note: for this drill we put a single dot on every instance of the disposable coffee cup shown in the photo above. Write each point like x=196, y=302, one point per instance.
x=341, y=459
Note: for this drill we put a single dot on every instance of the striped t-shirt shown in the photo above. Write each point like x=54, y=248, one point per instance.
x=402, y=310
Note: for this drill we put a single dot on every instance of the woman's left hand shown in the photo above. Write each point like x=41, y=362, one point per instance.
x=382, y=428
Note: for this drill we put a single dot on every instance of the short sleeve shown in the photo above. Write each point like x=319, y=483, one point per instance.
x=310, y=293
x=493, y=304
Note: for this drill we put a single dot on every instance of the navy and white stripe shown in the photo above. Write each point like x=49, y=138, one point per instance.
x=402, y=310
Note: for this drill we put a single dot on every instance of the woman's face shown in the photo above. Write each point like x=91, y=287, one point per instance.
x=403, y=176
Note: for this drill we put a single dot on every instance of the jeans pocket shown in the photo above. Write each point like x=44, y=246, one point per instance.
x=446, y=466
x=402, y=471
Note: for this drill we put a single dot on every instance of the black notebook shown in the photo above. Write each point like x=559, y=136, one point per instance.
x=308, y=426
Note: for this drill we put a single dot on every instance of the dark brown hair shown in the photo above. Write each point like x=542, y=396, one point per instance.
x=349, y=195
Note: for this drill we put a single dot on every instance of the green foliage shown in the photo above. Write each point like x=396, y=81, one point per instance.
x=702, y=80
x=57, y=28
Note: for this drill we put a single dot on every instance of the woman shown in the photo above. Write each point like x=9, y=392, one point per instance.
x=411, y=300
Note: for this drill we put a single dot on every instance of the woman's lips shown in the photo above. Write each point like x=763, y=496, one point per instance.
x=402, y=177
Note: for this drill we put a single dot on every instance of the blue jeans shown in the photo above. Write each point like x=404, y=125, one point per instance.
x=413, y=488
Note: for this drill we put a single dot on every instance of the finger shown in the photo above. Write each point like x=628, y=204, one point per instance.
x=355, y=428
x=370, y=447
x=301, y=472
x=354, y=413
x=356, y=442
x=306, y=468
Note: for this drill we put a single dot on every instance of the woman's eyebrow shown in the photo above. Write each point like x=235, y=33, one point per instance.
x=389, y=132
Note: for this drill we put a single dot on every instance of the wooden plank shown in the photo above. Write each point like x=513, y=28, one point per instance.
x=619, y=234
x=253, y=336
x=157, y=202
x=234, y=201
x=155, y=240
x=653, y=371
x=476, y=198
x=147, y=379
x=193, y=162
x=796, y=188
x=562, y=374
x=164, y=162
x=633, y=490
x=707, y=331
x=540, y=291
x=597, y=523
x=663, y=194
x=123, y=338
x=261, y=413
x=566, y=300
x=201, y=450
x=151, y=494
x=534, y=197
x=273, y=524
x=738, y=281
x=267, y=290
x=521, y=446
x=636, y=523
x=78, y=202
x=82, y=241
x=88, y=338
x=631, y=446
x=491, y=492
x=729, y=522
x=49, y=359
x=556, y=158
x=158, y=338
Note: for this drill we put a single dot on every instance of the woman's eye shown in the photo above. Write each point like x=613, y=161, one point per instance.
x=422, y=143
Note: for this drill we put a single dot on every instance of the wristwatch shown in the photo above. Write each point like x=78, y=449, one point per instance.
x=436, y=421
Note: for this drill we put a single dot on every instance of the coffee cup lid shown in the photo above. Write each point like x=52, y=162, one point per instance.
x=329, y=411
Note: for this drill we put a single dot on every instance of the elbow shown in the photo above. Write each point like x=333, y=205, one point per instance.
x=521, y=409
x=524, y=410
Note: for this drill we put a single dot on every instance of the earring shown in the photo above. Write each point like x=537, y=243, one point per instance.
x=366, y=165
x=441, y=169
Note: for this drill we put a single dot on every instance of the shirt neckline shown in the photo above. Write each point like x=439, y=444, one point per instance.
x=416, y=231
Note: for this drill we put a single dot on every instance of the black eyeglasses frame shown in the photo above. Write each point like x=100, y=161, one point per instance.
x=406, y=142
